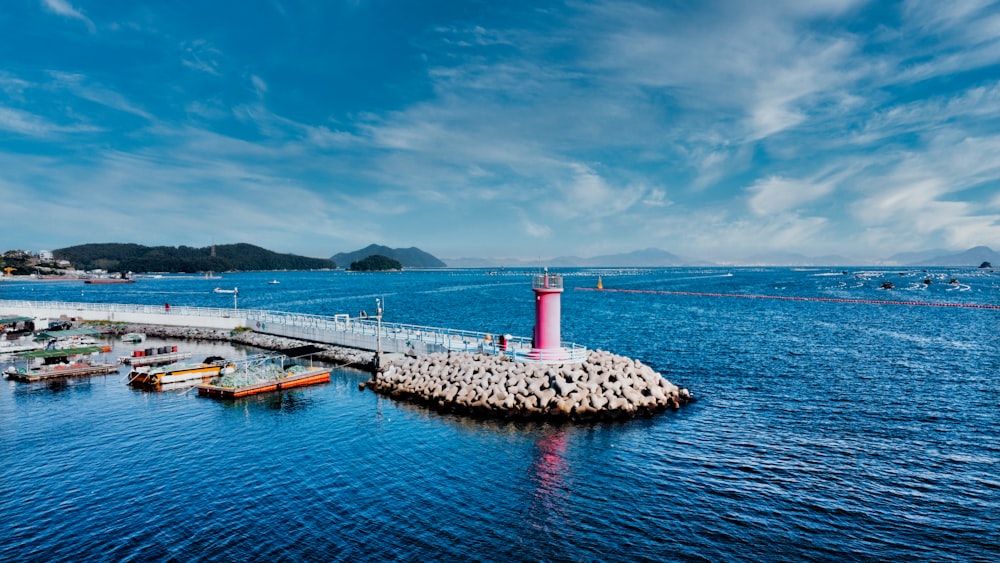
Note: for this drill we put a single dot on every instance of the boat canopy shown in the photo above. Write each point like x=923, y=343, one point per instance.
x=59, y=353
x=9, y=320
x=52, y=335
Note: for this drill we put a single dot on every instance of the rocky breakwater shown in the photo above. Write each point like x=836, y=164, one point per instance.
x=604, y=386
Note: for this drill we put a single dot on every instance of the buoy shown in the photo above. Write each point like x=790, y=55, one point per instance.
x=600, y=284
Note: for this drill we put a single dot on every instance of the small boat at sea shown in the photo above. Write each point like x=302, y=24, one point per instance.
x=179, y=372
x=220, y=290
x=107, y=281
x=273, y=282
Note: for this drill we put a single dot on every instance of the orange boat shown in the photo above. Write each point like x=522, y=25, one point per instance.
x=258, y=380
x=180, y=372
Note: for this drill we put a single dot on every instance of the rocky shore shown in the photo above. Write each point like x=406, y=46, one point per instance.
x=605, y=386
x=334, y=354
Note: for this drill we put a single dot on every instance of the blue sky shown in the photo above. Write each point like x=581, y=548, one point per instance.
x=719, y=130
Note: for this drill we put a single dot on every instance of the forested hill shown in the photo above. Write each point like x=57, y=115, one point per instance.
x=117, y=257
x=411, y=257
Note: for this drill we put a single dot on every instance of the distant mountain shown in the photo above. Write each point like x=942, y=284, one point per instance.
x=467, y=262
x=646, y=258
x=920, y=257
x=411, y=257
x=971, y=257
x=118, y=257
x=655, y=257
x=795, y=259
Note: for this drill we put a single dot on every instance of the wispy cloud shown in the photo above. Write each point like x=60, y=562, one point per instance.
x=83, y=88
x=775, y=194
x=25, y=123
x=66, y=10
x=200, y=55
x=708, y=128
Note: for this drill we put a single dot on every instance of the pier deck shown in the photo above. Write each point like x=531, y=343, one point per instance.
x=59, y=373
x=361, y=333
x=158, y=359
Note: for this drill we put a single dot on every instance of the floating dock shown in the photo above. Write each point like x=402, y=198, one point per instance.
x=179, y=373
x=57, y=364
x=154, y=360
x=288, y=381
x=60, y=372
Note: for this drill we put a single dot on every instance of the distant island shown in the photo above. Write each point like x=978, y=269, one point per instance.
x=411, y=257
x=119, y=257
x=375, y=263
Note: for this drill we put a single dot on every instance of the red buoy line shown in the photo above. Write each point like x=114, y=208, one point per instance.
x=791, y=298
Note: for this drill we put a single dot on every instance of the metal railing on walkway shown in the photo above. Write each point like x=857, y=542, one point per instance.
x=358, y=332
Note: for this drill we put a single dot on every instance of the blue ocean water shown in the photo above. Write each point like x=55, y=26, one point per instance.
x=824, y=430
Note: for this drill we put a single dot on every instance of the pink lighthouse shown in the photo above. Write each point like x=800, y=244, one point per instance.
x=546, y=343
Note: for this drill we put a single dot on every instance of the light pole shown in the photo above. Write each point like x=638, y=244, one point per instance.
x=378, y=316
x=378, y=333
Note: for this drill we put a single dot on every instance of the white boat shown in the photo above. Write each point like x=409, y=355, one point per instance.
x=220, y=290
x=272, y=282
x=133, y=337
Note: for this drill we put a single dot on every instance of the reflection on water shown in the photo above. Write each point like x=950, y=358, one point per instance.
x=547, y=511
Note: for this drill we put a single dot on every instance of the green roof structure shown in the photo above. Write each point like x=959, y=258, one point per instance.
x=59, y=352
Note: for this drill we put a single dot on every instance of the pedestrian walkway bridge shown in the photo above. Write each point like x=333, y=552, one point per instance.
x=364, y=333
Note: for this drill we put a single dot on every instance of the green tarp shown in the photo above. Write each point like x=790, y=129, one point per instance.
x=9, y=320
x=51, y=335
x=58, y=353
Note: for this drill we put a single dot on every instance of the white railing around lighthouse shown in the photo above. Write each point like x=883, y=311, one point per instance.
x=365, y=333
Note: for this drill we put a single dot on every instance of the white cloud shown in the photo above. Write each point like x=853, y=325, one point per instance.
x=259, y=86
x=775, y=194
x=535, y=230
x=81, y=87
x=26, y=123
x=200, y=55
x=65, y=9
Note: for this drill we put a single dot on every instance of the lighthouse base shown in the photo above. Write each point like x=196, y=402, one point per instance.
x=551, y=355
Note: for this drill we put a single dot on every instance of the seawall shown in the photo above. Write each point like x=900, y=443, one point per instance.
x=605, y=386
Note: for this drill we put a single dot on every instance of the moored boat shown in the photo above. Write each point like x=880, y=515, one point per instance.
x=133, y=337
x=179, y=372
x=262, y=374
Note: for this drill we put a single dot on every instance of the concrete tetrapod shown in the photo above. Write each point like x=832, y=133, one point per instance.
x=605, y=386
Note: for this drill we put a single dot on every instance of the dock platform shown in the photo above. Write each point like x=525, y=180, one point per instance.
x=155, y=360
x=72, y=371
x=310, y=377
